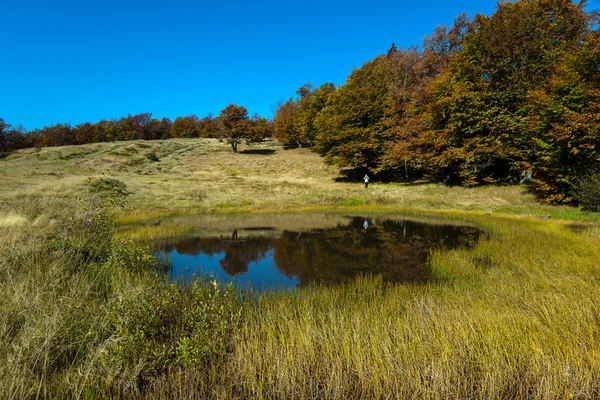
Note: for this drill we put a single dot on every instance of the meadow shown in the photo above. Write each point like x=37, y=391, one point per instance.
x=85, y=314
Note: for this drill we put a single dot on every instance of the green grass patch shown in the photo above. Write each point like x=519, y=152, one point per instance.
x=351, y=202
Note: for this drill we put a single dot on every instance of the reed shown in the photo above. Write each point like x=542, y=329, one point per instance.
x=85, y=313
x=522, y=324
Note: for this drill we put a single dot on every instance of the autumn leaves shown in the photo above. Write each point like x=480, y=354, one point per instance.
x=501, y=99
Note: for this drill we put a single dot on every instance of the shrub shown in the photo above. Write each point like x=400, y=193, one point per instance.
x=85, y=236
x=587, y=191
x=152, y=156
x=109, y=188
x=170, y=325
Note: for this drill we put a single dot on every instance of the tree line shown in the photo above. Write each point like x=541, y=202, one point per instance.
x=233, y=125
x=507, y=98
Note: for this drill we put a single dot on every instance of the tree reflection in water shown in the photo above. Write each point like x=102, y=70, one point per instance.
x=396, y=249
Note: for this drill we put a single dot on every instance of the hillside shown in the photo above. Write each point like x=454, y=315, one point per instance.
x=205, y=175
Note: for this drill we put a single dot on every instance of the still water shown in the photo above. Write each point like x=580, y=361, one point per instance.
x=268, y=257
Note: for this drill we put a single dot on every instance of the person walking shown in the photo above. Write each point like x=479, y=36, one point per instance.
x=366, y=179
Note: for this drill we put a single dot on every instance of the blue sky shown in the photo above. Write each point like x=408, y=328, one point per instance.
x=260, y=274
x=77, y=61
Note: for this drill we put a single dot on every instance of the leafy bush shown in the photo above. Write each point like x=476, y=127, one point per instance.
x=130, y=325
x=86, y=235
x=588, y=192
x=125, y=255
x=170, y=325
x=109, y=188
x=152, y=156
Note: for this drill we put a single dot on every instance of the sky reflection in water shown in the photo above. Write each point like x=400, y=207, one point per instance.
x=264, y=258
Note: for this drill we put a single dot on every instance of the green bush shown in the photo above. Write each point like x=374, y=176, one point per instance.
x=85, y=236
x=169, y=325
x=109, y=188
x=588, y=192
x=152, y=156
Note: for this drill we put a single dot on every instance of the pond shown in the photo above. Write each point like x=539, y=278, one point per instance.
x=285, y=252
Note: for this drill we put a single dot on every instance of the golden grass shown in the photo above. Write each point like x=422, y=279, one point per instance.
x=203, y=175
x=516, y=316
x=154, y=232
x=12, y=220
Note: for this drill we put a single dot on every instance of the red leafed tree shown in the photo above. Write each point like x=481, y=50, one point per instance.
x=236, y=127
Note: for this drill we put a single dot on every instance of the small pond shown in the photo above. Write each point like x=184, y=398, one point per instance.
x=284, y=252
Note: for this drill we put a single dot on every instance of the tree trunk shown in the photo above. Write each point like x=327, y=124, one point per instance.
x=234, y=147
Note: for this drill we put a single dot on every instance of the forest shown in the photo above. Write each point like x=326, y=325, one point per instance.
x=506, y=99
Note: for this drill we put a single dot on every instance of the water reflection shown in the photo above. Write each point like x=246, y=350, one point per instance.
x=397, y=249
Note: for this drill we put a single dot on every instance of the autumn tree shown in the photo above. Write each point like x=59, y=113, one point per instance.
x=294, y=122
x=157, y=129
x=286, y=124
x=236, y=127
x=564, y=122
x=4, y=132
x=477, y=123
x=134, y=127
x=311, y=103
x=185, y=127
x=353, y=128
x=262, y=127
x=14, y=138
x=106, y=130
x=208, y=127
x=57, y=135
x=84, y=133
x=442, y=45
x=413, y=71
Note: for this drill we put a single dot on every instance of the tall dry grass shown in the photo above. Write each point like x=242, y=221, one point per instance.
x=516, y=317
x=84, y=315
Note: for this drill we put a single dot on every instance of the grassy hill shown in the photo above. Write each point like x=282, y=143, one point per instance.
x=205, y=175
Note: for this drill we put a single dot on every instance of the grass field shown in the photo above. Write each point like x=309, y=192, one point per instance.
x=206, y=176
x=83, y=313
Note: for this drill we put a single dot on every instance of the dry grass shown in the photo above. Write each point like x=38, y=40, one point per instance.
x=11, y=220
x=516, y=316
x=204, y=176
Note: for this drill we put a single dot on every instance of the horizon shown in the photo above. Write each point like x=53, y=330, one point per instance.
x=75, y=63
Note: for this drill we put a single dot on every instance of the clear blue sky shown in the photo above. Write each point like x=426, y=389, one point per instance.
x=77, y=61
